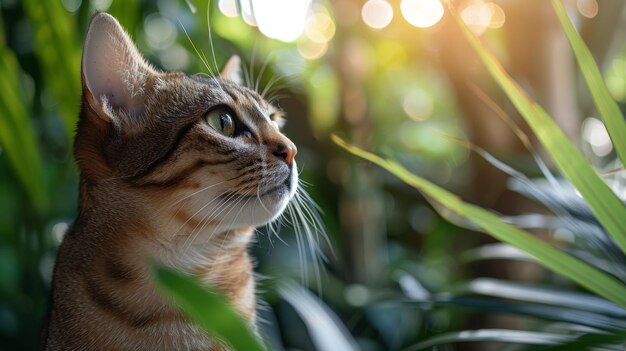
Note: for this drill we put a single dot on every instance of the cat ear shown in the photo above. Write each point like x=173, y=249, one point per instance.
x=114, y=73
x=232, y=70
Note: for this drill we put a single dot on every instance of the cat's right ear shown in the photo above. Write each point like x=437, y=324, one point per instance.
x=115, y=75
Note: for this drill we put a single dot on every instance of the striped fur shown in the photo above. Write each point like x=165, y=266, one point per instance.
x=159, y=184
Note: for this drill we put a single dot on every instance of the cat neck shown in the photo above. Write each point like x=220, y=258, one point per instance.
x=126, y=229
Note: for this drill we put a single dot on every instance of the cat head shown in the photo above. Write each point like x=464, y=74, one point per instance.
x=205, y=148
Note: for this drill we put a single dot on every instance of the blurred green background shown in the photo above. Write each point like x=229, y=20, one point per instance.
x=393, y=76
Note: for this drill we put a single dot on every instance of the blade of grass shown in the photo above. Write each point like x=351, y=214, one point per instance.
x=207, y=308
x=607, y=207
x=608, y=108
x=580, y=272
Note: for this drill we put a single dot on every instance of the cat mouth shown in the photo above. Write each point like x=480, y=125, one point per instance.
x=279, y=190
x=285, y=186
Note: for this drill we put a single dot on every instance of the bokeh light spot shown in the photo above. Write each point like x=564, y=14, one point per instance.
x=595, y=133
x=71, y=5
x=246, y=12
x=422, y=13
x=377, y=14
x=418, y=105
x=228, y=8
x=498, y=16
x=477, y=16
x=588, y=8
x=101, y=5
x=160, y=31
x=311, y=50
x=281, y=19
x=320, y=27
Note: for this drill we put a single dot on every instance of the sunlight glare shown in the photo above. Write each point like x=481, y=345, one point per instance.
x=281, y=19
x=422, y=13
x=377, y=14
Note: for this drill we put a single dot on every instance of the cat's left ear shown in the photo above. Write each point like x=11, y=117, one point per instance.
x=232, y=70
x=115, y=75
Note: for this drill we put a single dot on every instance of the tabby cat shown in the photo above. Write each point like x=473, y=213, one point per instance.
x=176, y=169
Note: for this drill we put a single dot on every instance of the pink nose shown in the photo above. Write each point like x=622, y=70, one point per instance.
x=286, y=151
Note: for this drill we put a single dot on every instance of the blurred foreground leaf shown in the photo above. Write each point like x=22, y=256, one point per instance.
x=324, y=327
x=58, y=51
x=207, y=308
x=608, y=108
x=606, y=206
x=17, y=134
x=580, y=272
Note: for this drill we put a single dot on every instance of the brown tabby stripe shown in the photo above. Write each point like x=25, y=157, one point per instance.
x=246, y=165
x=119, y=271
x=109, y=304
x=232, y=95
x=183, y=174
x=159, y=161
x=187, y=219
x=244, y=180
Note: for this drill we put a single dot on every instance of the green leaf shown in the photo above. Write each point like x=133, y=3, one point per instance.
x=326, y=330
x=588, y=342
x=538, y=294
x=580, y=272
x=57, y=48
x=17, y=133
x=606, y=206
x=608, y=108
x=542, y=312
x=207, y=308
x=497, y=335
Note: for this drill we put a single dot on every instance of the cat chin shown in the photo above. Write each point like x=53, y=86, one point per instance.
x=253, y=210
x=269, y=207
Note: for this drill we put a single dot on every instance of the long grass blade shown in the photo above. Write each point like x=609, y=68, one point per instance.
x=607, y=207
x=608, y=108
x=207, y=308
x=580, y=272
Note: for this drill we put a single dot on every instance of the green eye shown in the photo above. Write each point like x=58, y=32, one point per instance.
x=221, y=121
